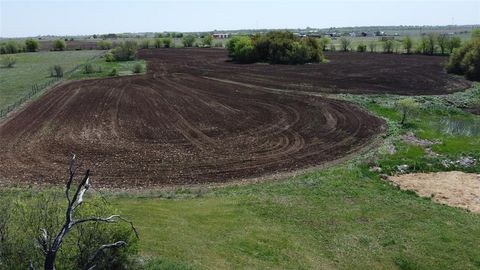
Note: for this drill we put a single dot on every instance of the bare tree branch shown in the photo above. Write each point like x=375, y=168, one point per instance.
x=50, y=249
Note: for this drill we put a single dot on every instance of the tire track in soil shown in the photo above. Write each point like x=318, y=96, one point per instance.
x=192, y=120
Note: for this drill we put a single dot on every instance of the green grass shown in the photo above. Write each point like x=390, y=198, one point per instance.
x=34, y=68
x=104, y=69
x=344, y=217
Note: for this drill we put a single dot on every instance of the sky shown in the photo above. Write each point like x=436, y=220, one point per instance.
x=20, y=18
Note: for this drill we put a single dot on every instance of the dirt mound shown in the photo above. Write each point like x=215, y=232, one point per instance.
x=456, y=189
x=172, y=127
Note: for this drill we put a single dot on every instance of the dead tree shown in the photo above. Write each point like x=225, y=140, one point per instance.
x=50, y=244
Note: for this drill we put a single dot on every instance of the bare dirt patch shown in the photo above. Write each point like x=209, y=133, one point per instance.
x=454, y=188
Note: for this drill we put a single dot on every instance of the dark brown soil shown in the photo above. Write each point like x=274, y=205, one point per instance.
x=176, y=125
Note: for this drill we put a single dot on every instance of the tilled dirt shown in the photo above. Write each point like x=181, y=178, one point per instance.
x=193, y=119
x=456, y=189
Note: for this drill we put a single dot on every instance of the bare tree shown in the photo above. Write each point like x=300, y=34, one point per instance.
x=50, y=243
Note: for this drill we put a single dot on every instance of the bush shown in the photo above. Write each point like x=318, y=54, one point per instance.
x=167, y=42
x=104, y=45
x=207, y=41
x=407, y=107
x=137, y=68
x=361, y=48
x=158, y=43
x=10, y=47
x=372, y=46
x=407, y=44
x=388, y=46
x=188, y=41
x=31, y=45
x=276, y=48
x=114, y=72
x=466, y=60
x=56, y=71
x=145, y=44
x=125, y=51
x=24, y=216
x=109, y=57
x=88, y=69
x=59, y=45
x=333, y=48
x=218, y=44
x=8, y=61
x=324, y=42
x=345, y=44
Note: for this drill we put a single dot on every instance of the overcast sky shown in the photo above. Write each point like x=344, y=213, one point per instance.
x=72, y=17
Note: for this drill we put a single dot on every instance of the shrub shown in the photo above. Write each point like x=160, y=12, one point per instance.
x=333, y=47
x=188, y=41
x=114, y=72
x=407, y=44
x=104, y=45
x=158, y=43
x=388, y=46
x=218, y=44
x=125, y=51
x=26, y=215
x=145, y=44
x=56, y=71
x=8, y=61
x=59, y=45
x=31, y=45
x=88, y=69
x=10, y=47
x=109, y=57
x=361, y=47
x=345, y=44
x=407, y=107
x=137, y=68
x=167, y=42
x=207, y=41
x=466, y=60
x=324, y=42
x=372, y=46
x=241, y=49
x=453, y=43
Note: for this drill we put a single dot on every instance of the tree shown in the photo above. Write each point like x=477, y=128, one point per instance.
x=361, y=47
x=51, y=242
x=372, y=46
x=388, y=46
x=145, y=44
x=431, y=43
x=158, y=43
x=324, y=42
x=407, y=44
x=443, y=41
x=188, y=41
x=167, y=42
x=31, y=45
x=8, y=61
x=241, y=49
x=104, y=45
x=422, y=45
x=10, y=47
x=59, y=45
x=466, y=60
x=453, y=43
x=125, y=51
x=345, y=44
x=407, y=107
x=207, y=41
x=475, y=33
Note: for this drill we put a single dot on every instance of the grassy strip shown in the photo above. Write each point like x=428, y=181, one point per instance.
x=104, y=69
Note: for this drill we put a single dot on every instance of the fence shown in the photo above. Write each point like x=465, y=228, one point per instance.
x=37, y=88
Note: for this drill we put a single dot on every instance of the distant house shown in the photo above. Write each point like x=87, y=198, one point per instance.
x=220, y=36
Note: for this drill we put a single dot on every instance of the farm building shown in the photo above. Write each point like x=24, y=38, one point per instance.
x=221, y=36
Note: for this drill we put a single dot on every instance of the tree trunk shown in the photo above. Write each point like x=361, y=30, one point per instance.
x=50, y=261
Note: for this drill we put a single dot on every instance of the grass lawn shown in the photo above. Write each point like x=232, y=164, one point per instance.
x=103, y=68
x=35, y=68
x=344, y=217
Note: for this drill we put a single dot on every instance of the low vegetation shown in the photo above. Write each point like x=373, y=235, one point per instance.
x=275, y=48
